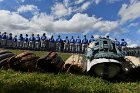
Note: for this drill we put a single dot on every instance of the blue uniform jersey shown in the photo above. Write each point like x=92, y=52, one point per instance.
x=58, y=40
x=117, y=43
x=20, y=38
x=66, y=41
x=10, y=38
x=26, y=39
x=78, y=41
x=43, y=38
x=32, y=38
x=123, y=43
x=51, y=40
x=72, y=40
x=91, y=40
x=15, y=39
x=37, y=38
x=4, y=36
x=85, y=41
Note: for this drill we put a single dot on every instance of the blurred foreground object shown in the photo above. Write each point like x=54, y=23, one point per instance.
x=75, y=64
x=51, y=62
x=25, y=61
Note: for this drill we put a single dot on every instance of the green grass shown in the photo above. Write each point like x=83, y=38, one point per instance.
x=19, y=82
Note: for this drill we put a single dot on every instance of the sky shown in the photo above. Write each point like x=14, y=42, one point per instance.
x=116, y=18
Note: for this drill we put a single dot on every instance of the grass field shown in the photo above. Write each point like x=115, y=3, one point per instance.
x=19, y=82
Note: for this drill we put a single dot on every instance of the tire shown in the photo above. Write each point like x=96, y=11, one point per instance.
x=23, y=54
x=26, y=62
x=51, y=63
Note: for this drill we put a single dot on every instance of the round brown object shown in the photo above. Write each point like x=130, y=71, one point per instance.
x=51, y=63
x=25, y=61
x=75, y=64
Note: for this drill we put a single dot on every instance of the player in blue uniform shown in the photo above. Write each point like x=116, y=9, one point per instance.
x=58, y=43
x=117, y=43
x=15, y=41
x=32, y=42
x=26, y=42
x=20, y=41
x=10, y=40
x=123, y=44
x=84, y=44
x=4, y=39
x=37, y=42
x=43, y=41
x=72, y=44
x=51, y=43
x=78, y=44
x=66, y=44
x=91, y=39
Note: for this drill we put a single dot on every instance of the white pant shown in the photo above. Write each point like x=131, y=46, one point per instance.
x=66, y=47
x=58, y=46
x=72, y=47
x=25, y=44
x=14, y=45
x=43, y=44
x=9, y=43
x=37, y=44
x=123, y=47
x=31, y=44
x=20, y=44
x=3, y=42
x=84, y=46
x=78, y=47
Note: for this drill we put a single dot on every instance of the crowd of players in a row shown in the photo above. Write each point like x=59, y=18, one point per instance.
x=43, y=43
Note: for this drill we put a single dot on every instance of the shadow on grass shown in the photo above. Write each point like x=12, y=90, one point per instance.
x=132, y=76
x=37, y=88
